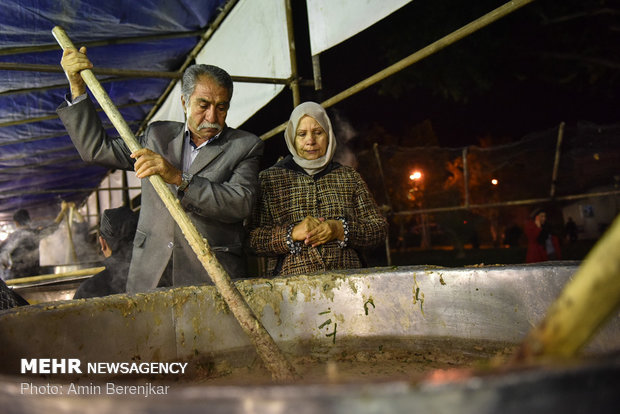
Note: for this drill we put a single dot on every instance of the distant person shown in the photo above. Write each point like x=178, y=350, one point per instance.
x=313, y=214
x=541, y=244
x=571, y=230
x=116, y=232
x=19, y=253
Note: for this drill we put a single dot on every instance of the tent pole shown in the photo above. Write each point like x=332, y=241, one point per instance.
x=465, y=177
x=556, y=162
x=292, y=53
x=129, y=73
x=98, y=207
x=116, y=41
x=316, y=72
x=267, y=349
x=434, y=47
x=125, y=189
x=509, y=203
x=55, y=116
x=51, y=136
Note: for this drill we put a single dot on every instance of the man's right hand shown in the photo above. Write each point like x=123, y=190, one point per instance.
x=72, y=62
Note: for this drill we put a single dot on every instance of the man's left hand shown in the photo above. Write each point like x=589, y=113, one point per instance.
x=149, y=163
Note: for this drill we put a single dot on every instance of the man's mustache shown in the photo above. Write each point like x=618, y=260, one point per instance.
x=209, y=125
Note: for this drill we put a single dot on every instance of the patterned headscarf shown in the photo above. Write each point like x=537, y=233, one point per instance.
x=317, y=112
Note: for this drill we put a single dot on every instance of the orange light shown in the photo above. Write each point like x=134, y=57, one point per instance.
x=494, y=181
x=416, y=175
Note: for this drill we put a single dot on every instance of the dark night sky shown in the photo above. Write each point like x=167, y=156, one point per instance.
x=546, y=63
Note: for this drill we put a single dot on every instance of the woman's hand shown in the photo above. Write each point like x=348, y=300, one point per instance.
x=325, y=232
x=301, y=230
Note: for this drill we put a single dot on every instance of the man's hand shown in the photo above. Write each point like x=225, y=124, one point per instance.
x=325, y=232
x=72, y=63
x=149, y=163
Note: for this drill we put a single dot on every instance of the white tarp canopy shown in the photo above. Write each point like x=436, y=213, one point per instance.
x=252, y=41
x=332, y=22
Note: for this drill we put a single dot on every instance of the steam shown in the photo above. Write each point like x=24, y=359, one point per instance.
x=344, y=133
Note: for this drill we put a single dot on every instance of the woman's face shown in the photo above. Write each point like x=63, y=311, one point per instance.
x=311, y=140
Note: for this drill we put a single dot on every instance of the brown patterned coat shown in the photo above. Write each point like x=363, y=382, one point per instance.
x=288, y=194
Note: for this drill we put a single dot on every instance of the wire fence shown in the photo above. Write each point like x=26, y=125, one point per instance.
x=477, y=194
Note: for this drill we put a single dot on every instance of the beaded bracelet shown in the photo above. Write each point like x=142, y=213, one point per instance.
x=345, y=227
x=293, y=246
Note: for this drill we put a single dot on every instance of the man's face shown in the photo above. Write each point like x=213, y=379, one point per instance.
x=206, y=110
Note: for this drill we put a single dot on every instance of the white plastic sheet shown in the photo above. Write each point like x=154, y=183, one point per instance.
x=252, y=41
x=331, y=22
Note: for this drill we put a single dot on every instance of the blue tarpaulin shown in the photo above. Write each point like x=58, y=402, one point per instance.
x=39, y=167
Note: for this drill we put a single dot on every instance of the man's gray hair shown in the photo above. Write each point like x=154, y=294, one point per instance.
x=192, y=73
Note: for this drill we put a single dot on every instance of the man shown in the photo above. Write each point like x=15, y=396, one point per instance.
x=116, y=233
x=571, y=230
x=212, y=168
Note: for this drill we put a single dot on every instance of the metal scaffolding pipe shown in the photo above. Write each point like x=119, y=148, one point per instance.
x=29, y=67
x=292, y=54
x=434, y=47
x=55, y=116
x=466, y=177
x=508, y=203
x=115, y=41
x=51, y=136
x=556, y=162
x=61, y=86
x=9, y=194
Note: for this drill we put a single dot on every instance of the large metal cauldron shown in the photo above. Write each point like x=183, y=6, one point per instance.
x=374, y=306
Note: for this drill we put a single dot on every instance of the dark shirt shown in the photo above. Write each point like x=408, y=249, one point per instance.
x=110, y=281
x=8, y=298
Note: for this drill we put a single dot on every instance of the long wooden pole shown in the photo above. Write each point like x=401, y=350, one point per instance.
x=274, y=360
x=586, y=302
x=53, y=276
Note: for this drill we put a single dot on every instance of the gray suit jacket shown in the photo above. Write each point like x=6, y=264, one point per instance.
x=218, y=200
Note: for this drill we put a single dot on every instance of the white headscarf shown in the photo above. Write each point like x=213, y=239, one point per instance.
x=317, y=112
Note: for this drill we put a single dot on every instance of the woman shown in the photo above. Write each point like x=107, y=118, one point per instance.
x=313, y=213
x=541, y=244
